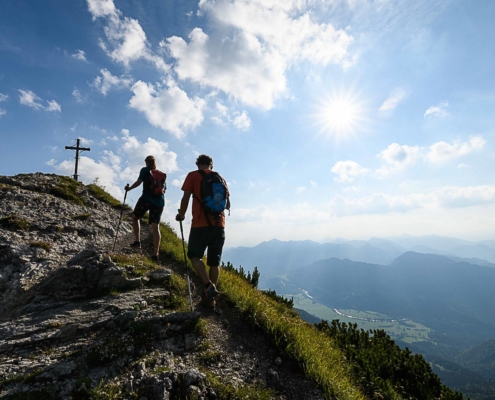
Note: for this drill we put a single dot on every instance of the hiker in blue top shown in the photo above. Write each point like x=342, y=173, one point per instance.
x=152, y=200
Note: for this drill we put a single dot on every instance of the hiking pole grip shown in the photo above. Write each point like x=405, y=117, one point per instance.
x=182, y=235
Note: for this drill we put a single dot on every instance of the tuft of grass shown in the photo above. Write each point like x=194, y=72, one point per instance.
x=142, y=265
x=159, y=370
x=38, y=243
x=68, y=189
x=106, y=391
x=29, y=377
x=201, y=327
x=109, y=349
x=317, y=353
x=228, y=391
x=15, y=222
x=171, y=244
x=100, y=193
x=4, y=186
x=82, y=217
x=205, y=346
x=210, y=357
x=177, y=286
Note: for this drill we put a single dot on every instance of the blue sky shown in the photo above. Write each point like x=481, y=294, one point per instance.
x=344, y=118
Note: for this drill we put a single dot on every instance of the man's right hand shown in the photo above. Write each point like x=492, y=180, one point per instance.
x=179, y=218
x=127, y=188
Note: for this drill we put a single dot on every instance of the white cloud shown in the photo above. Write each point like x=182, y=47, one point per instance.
x=77, y=95
x=168, y=108
x=378, y=203
x=53, y=106
x=393, y=100
x=30, y=99
x=440, y=110
x=51, y=162
x=86, y=142
x=2, y=112
x=313, y=183
x=458, y=197
x=107, y=81
x=250, y=46
x=463, y=166
x=3, y=97
x=89, y=170
x=347, y=171
x=102, y=8
x=177, y=183
x=443, y=151
x=126, y=39
x=239, y=119
x=53, y=149
x=242, y=121
x=80, y=55
x=381, y=203
x=236, y=66
x=398, y=157
x=135, y=152
x=300, y=189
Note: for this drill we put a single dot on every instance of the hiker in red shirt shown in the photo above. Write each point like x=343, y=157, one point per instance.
x=208, y=225
x=152, y=200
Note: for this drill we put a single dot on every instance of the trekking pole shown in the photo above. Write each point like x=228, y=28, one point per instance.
x=185, y=262
x=120, y=220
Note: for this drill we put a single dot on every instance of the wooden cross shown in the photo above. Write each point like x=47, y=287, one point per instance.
x=78, y=149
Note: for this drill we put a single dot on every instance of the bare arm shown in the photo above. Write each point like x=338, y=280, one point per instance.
x=184, y=203
x=134, y=185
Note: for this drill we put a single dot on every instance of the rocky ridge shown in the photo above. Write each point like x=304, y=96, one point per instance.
x=75, y=324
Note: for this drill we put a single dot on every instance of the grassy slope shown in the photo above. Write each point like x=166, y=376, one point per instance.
x=317, y=354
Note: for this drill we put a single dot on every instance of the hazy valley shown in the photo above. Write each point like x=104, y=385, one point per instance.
x=432, y=294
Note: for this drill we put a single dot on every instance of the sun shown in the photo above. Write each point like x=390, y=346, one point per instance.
x=340, y=115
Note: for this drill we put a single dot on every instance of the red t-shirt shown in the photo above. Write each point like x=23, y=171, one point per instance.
x=193, y=184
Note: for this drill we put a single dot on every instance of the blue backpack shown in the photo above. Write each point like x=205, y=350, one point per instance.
x=213, y=195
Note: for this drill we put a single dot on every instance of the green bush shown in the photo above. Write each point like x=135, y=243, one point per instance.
x=384, y=369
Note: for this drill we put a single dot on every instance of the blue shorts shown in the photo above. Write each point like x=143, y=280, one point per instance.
x=211, y=237
x=143, y=205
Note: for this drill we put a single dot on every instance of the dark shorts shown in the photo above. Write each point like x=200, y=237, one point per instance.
x=143, y=205
x=211, y=237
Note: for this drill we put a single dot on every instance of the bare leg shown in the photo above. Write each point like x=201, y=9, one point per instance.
x=135, y=227
x=156, y=238
x=214, y=274
x=200, y=269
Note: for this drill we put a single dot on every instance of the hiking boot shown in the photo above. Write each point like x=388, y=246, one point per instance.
x=155, y=258
x=207, y=303
x=136, y=244
x=209, y=293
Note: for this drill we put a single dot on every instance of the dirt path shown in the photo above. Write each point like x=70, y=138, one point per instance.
x=238, y=351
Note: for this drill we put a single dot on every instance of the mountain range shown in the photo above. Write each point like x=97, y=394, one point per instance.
x=445, y=284
x=277, y=258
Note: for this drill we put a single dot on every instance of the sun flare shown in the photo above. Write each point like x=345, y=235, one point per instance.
x=340, y=115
